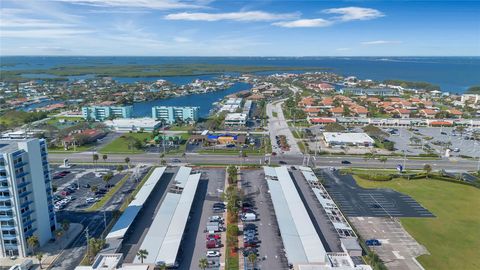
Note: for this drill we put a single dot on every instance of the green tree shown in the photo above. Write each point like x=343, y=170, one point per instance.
x=427, y=168
x=203, y=263
x=334, y=127
x=252, y=258
x=127, y=160
x=39, y=257
x=107, y=177
x=142, y=254
x=65, y=226
x=94, y=189
x=383, y=160
x=33, y=243
x=119, y=168
x=104, y=157
x=94, y=246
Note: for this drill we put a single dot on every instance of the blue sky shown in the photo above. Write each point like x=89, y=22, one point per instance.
x=240, y=28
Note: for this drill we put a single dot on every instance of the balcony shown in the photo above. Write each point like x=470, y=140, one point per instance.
x=2, y=188
x=6, y=218
x=5, y=198
x=29, y=212
x=24, y=194
x=9, y=236
x=24, y=184
x=8, y=227
x=26, y=204
x=5, y=208
x=20, y=175
x=20, y=164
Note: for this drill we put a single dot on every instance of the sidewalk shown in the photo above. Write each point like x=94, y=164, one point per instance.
x=241, y=260
x=51, y=251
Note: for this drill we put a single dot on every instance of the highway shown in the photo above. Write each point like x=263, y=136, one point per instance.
x=297, y=159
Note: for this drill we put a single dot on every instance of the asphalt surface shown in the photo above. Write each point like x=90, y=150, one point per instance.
x=278, y=126
x=193, y=244
x=93, y=222
x=320, y=220
x=271, y=251
x=355, y=201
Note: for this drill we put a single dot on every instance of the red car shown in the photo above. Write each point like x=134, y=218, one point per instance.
x=212, y=244
x=213, y=236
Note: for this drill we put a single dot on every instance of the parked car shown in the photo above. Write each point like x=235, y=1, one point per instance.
x=90, y=200
x=213, y=253
x=212, y=244
x=213, y=236
x=281, y=162
x=346, y=162
x=373, y=242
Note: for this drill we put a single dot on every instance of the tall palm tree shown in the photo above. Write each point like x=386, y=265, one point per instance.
x=203, y=263
x=127, y=160
x=39, y=257
x=33, y=242
x=252, y=258
x=427, y=168
x=142, y=254
x=107, y=177
x=104, y=157
x=95, y=159
x=65, y=226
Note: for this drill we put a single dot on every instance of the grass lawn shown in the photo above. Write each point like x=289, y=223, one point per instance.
x=180, y=128
x=54, y=119
x=452, y=238
x=120, y=144
x=109, y=194
x=82, y=148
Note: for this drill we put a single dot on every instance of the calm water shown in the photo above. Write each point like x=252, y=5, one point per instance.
x=454, y=74
x=204, y=101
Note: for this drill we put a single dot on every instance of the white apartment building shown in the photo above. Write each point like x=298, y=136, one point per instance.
x=26, y=203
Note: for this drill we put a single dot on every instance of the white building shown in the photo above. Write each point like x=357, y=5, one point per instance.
x=236, y=119
x=133, y=124
x=342, y=139
x=26, y=203
x=231, y=105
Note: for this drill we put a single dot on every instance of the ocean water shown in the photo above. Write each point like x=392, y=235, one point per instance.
x=453, y=74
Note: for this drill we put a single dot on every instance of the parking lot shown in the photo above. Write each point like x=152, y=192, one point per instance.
x=270, y=251
x=397, y=249
x=355, y=201
x=193, y=247
x=76, y=184
x=436, y=138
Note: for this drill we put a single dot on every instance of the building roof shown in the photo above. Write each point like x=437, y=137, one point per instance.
x=301, y=241
x=322, y=120
x=126, y=219
x=145, y=122
x=235, y=116
x=344, y=137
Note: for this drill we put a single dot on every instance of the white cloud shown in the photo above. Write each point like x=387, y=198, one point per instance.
x=243, y=16
x=380, y=42
x=54, y=33
x=304, y=23
x=343, y=49
x=355, y=13
x=181, y=39
x=147, y=4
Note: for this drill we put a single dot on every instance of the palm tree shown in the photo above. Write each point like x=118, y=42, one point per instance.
x=252, y=258
x=95, y=159
x=142, y=254
x=203, y=263
x=127, y=160
x=94, y=189
x=107, y=177
x=33, y=243
x=58, y=233
x=104, y=157
x=427, y=168
x=39, y=257
x=65, y=226
x=383, y=160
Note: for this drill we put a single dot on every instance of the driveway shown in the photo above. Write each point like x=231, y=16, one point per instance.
x=278, y=126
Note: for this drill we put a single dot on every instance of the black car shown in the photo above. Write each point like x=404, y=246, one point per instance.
x=375, y=206
x=282, y=162
x=346, y=162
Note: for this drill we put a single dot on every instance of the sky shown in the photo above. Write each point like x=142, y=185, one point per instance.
x=240, y=28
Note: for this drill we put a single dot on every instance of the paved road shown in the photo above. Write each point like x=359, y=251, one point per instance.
x=320, y=161
x=278, y=126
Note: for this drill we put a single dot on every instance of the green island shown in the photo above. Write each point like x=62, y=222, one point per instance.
x=473, y=90
x=453, y=233
x=415, y=85
x=134, y=71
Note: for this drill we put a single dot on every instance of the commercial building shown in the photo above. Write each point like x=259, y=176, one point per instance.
x=133, y=124
x=383, y=92
x=26, y=204
x=333, y=139
x=172, y=114
x=100, y=113
x=235, y=119
x=231, y=105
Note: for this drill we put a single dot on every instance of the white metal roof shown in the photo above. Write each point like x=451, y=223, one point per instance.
x=291, y=240
x=182, y=175
x=171, y=243
x=157, y=231
x=343, y=137
x=308, y=174
x=130, y=213
x=270, y=172
x=308, y=235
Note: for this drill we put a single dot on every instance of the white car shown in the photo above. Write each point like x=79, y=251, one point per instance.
x=213, y=253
